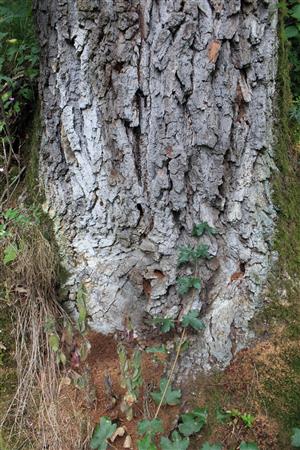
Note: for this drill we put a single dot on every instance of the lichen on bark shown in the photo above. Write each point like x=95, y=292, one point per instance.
x=158, y=115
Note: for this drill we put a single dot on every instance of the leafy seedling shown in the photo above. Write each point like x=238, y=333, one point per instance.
x=177, y=442
x=146, y=443
x=103, y=431
x=150, y=427
x=193, y=421
x=191, y=319
x=172, y=397
x=165, y=324
x=296, y=438
x=188, y=254
x=186, y=283
x=201, y=228
x=201, y=251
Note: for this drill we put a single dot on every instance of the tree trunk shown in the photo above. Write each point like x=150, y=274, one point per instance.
x=157, y=115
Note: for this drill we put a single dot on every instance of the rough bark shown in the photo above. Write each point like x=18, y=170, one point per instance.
x=157, y=115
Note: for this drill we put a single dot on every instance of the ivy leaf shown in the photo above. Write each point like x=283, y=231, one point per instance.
x=295, y=12
x=296, y=437
x=150, y=427
x=172, y=397
x=165, y=324
x=291, y=32
x=193, y=422
x=177, y=442
x=102, y=432
x=146, y=443
x=207, y=446
x=202, y=228
x=10, y=254
x=248, y=446
x=191, y=320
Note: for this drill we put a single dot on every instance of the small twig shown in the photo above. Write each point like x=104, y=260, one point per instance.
x=171, y=373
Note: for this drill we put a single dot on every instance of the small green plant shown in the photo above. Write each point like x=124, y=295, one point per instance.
x=191, y=319
x=225, y=416
x=193, y=421
x=103, y=431
x=190, y=255
x=165, y=324
x=295, y=441
x=177, y=442
x=131, y=378
x=186, y=283
x=146, y=443
x=166, y=395
x=203, y=228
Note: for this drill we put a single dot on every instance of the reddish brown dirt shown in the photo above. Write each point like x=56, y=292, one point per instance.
x=103, y=361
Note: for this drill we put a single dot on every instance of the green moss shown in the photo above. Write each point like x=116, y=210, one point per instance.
x=36, y=194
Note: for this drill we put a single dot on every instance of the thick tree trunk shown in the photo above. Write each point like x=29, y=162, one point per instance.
x=157, y=115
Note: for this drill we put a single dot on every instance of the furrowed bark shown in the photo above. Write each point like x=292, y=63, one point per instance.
x=158, y=115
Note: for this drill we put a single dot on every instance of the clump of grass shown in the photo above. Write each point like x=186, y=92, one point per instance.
x=29, y=285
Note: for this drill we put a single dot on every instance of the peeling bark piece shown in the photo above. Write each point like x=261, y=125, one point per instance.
x=213, y=51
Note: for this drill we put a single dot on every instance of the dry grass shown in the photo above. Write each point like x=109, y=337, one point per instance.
x=38, y=413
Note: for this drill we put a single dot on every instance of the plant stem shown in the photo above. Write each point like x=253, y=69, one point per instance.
x=171, y=373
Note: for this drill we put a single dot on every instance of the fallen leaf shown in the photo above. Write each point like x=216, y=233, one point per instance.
x=120, y=431
x=128, y=442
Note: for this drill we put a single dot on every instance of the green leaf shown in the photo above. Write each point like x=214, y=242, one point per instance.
x=291, y=32
x=202, y=228
x=295, y=12
x=248, y=446
x=247, y=419
x=185, y=255
x=172, y=397
x=191, y=320
x=103, y=431
x=146, y=443
x=158, y=349
x=207, y=446
x=187, y=283
x=54, y=342
x=177, y=442
x=10, y=254
x=150, y=427
x=165, y=324
x=201, y=251
x=193, y=421
x=296, y=437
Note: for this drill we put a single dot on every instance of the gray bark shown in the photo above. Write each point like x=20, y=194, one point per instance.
x=157, y=114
